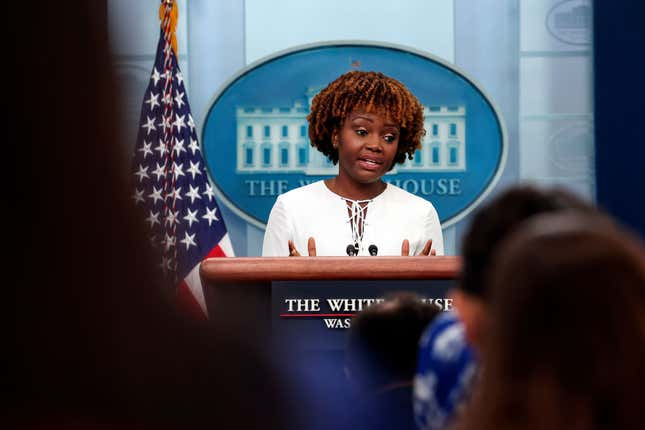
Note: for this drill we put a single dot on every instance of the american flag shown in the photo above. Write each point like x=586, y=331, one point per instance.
x=170, y=178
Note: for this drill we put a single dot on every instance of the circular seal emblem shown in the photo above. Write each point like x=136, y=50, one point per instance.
x=570, y=149
x=570, y=22
x=255, y=133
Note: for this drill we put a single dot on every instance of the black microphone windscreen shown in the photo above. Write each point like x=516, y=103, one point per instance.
x=373, y=250
x=351, y=250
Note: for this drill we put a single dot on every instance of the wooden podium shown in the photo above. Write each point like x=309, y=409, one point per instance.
x=316, y=297
x=238, y=270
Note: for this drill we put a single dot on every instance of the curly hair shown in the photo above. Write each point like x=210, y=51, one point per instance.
x=373, y=92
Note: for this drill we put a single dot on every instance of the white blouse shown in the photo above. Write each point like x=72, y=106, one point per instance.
x=315, y=211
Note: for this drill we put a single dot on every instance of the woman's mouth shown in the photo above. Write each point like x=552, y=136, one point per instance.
x=370, y=163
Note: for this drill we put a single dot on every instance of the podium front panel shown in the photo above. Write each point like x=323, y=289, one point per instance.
x=315, y=315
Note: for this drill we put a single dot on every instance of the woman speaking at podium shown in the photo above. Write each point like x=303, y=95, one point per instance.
x=366, y=122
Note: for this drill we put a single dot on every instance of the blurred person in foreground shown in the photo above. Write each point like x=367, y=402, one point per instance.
x=96, y=342
x=493, y=223
x=448, y=348
x=566, y=341
x=381, y=357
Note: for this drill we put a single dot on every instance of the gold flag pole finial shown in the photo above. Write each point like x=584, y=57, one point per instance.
x=168, y=13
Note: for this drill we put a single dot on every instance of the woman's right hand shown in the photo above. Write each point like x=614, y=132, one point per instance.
x=311, y=248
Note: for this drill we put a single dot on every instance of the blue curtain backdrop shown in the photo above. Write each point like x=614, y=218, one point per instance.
x=619, y=72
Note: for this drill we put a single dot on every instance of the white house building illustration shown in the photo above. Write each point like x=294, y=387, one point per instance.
x=275, y=140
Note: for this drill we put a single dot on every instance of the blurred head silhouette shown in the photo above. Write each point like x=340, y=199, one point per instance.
x=490, y=226
x=381, y=358
x=383, y=340
x=566, y=344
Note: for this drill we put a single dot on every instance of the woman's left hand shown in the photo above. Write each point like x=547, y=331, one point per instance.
x=427, y=249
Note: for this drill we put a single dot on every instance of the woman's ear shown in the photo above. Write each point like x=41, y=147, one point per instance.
x=334, y=139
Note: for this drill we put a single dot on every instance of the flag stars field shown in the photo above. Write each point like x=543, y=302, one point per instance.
x=191, y=217
x=179, y=122
x=155, y=195
x=194, y=169
x=149, y=125
x=153, y=218
x=171, y=217
x=155, y=76
x=193, y=193
x=142, y=173
x=193, y=144
x=177, y=170
x=179, y=147
x=210, y=215
x=179, y=99
x=138, y=196
x=165, y=123
x=175, y=194
x=170, y=181
x=180, y=78
x=159, y=172
x=161, y=148
x=153, y=100
x=191, y=123
x=209, y=192
x=188, y=240
x=146, y=149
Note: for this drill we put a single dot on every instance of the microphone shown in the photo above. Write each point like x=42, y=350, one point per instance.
x=373, y=250
x=351, y=250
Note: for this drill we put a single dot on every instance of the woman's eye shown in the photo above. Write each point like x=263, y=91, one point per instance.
x=389, y=138
x=361, y=132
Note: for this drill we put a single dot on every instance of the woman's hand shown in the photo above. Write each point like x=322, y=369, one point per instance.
x=427, y=249
x=311, y=248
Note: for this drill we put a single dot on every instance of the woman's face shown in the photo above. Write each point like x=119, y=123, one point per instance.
x=367, y=144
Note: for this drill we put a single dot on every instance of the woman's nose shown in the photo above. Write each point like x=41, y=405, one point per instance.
x=373, y=143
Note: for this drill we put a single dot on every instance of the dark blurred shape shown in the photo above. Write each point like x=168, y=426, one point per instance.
x=381, y=358
x=444, y=381
x=566, y=343
x=492, y=223
x=96, y=341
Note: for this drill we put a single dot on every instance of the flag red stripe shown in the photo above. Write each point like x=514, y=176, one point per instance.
x=216, y=252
